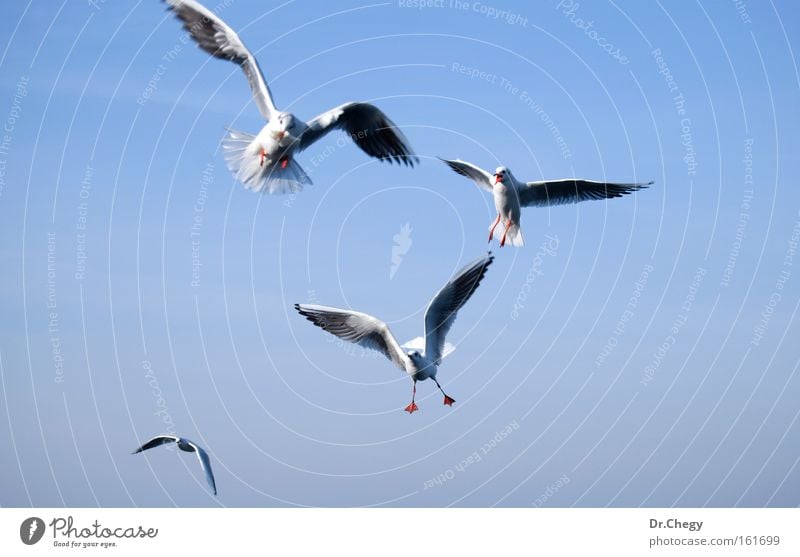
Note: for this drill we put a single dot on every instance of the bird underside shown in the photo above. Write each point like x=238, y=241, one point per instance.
x=259, y=170
x=511, y=232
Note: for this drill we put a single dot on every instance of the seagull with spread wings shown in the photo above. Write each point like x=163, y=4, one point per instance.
x=420, y=357
x=189, y=447
x=510, y=195
x=265, y=162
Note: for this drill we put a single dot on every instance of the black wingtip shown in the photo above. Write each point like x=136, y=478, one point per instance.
x=451, y=164
x=169, y=6
x=304, y=313
x=401, y=160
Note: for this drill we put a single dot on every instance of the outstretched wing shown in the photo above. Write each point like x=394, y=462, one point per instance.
x=205, y=462
x=559, y=192
x=368, y=126
x=220, y=41
x=356, y=327
x=418, y=344
x=156, y=441
x=441, y=312
x=474, y=173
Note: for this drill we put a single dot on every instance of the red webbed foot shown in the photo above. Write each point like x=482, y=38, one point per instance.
x=448, y=401
x=411, y=408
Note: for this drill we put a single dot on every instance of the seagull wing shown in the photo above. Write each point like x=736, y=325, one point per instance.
x=474, y=173
x=360, y=328
x=220, y=41
x=441, y=312
x=205, y=462
x=559, y=192
x=156, y=441
x=368, y=126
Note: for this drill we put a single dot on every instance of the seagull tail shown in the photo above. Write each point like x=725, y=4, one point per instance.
x=244, y=159
x=514, y=236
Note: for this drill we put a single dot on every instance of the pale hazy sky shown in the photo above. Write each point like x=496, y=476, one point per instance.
x=637, y=352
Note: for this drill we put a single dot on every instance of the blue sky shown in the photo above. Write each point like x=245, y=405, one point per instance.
x=635, y=352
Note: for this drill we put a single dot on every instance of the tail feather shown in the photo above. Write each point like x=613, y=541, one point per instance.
x=243, y=158
x=514, y=236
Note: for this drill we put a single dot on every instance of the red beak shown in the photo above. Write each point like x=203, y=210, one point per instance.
x=498, y=178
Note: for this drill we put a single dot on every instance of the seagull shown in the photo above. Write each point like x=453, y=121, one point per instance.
x=510, y=194
x=265, y=162
x=184, y=445
x=420, y=357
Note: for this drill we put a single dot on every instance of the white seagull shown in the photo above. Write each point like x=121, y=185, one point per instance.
x=184, y=445
x=510, y=195
x=420, y=357
x=265, y=162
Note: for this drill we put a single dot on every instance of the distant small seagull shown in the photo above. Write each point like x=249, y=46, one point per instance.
x=184, y=445
x=421, y=357
x=510, y=194
x=265, y=162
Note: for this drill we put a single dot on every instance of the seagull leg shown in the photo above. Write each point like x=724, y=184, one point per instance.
x=263, y=156
x=411, y=408
x=503, y=240
x=491, y=230
x=447, y=400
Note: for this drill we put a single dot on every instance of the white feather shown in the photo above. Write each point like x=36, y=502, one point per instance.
x=418, y=344
x=243, y=157
x=514, y=236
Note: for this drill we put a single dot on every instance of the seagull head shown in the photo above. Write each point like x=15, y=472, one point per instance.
x=500, y=174
x=415, y=356
x=284, y=125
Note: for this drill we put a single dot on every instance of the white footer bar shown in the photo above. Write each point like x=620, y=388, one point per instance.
x=389, y=532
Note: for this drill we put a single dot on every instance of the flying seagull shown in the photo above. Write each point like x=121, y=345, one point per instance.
x=510, y=194
x=421, y=357
x=265, y=162
x=184, y=445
